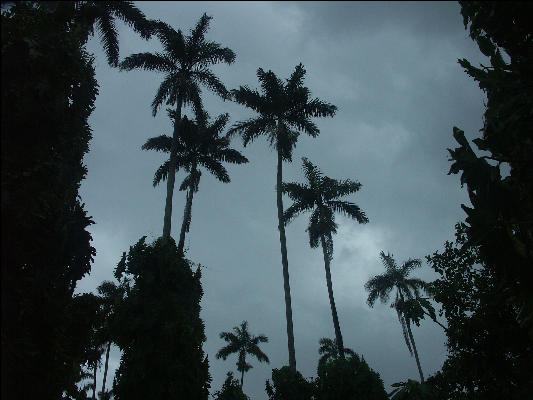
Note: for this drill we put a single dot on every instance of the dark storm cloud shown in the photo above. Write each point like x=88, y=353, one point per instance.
x=391, y=68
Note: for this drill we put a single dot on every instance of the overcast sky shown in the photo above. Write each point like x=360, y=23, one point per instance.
x=391, y=69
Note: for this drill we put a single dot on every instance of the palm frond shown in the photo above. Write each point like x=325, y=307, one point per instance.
x=147, y=61
x=165, y=90
x=212, y=53
x=379, y=286
x=296, y=79
x=199, y=31
x=252, y=128
x=133, y=17
x=109, y=37
x=340, y=188
x=249, y=98
x=212, y=82
x=303, y=124
x=173, y=41
x=159, y=143
x=231, y=156
x=311, y=172
x=215, y=168
x=272, y=86
x=294, y=210
x=161, y=173
x=348, y=209
x=388, y=262
x=409, y=265
x=314, y=229
x=319, y=108
x=298, y=192
x=231, y=348
x=191, y=181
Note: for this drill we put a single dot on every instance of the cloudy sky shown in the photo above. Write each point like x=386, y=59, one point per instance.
x=391, y=69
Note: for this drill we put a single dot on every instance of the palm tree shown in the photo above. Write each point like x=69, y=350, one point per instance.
x=185, y=61
x=406, y=288
x=321, y=197
x=242, y=342
x=199, y=145
x=285, y=110
x=110, y=295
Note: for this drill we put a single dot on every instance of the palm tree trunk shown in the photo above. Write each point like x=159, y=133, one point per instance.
x=171, y=178
x=416, y=352
x=106, y=366
x=242, y=378
x=186, y=218
x=338, y=334
x=285, y=263
x=94, y=380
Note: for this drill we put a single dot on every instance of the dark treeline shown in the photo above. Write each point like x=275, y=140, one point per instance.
x=54, y=341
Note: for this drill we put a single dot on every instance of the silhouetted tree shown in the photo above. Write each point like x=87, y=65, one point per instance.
x=185, y=62
x=489, y=353
x=158, y=327
x=285, y=110
x=412, y=390
x=111, y=296
x=321, y=195
x=500, y=220
x=328, y=350
x=199, y=145
x=48, y=93
x=396, y=277
x=288, y=384
x=241, y=341
x=348, y=378
x=231, y=390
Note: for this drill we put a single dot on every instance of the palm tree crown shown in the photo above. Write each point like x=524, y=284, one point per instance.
x=380, y=286
x=185, y=62
x=199, y=145
x=285, y=110
x=242, y=342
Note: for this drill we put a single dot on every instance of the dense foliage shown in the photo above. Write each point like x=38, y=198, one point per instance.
x=48, y=93
x=489, y=354
x=159, y=328
x=231, y=390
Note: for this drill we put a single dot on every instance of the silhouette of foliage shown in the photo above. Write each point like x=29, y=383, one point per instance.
x=321, y=197
x=500, y=220
x=288, y=384
x=159, y=329
x=348, y=378
x=285, y=110
x=396, y=277
x=185, y=62
x=329, y=350
x=231, y=390
x=412, y=390
x=489, y=353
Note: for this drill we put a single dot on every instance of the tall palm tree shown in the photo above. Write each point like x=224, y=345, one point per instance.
x=380, y=286
x=110, y=295
x=241, y=341
x=199, y=145
x=321, y=196
x=186, y=62
x=285, y=111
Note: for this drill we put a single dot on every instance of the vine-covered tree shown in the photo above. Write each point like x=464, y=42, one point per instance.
x=186, y=62
x=380, y=286
x=284, y=111
x=322, y=197
x=241, y=341
x=158, y=326
x=199, y=145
